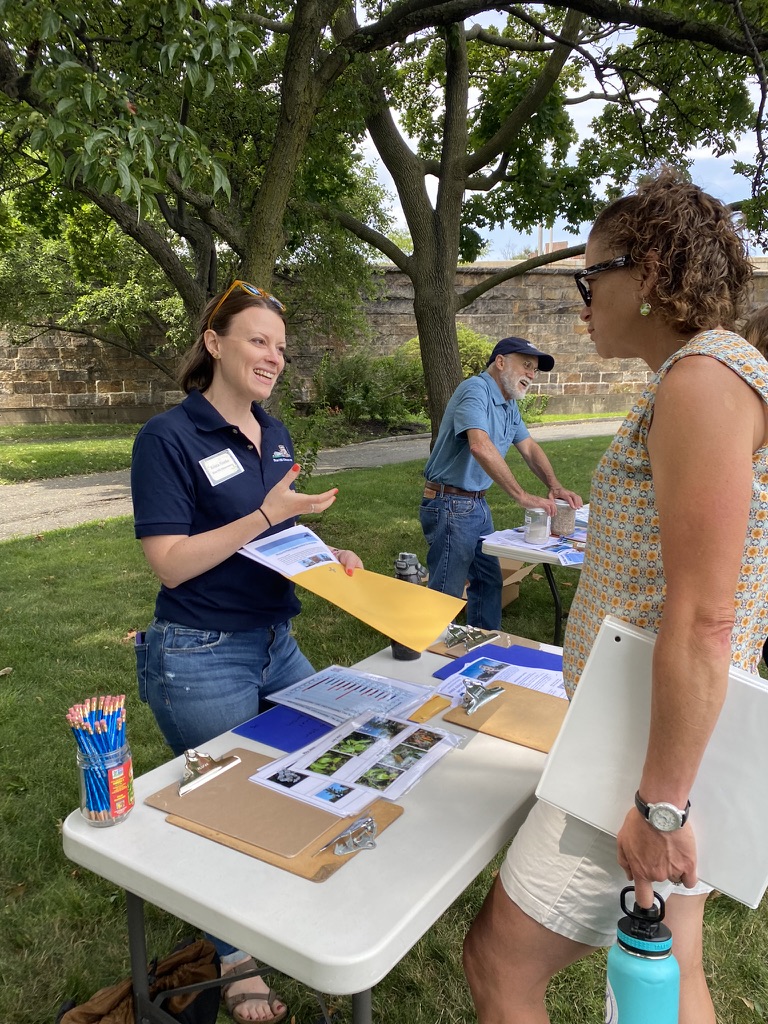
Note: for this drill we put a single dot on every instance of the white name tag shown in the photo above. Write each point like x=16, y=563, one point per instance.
x=222, y=466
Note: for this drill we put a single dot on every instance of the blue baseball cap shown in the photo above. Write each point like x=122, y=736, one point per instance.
x=507, y=346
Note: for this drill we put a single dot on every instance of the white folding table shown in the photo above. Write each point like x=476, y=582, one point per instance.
x=535, y=556
x=344, y=935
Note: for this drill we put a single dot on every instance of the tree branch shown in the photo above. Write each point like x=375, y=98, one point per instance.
x=208, y=212
x=467, y=297
x=85, y=332
x=670, y=25
x=366, y=234
x=530, y=103
x=506, y=42
x=127, y=219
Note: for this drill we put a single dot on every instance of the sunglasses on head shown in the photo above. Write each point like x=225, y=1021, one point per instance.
x=597, y=268
x=251, y=289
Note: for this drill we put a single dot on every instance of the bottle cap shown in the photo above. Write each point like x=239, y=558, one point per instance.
x=642, y=930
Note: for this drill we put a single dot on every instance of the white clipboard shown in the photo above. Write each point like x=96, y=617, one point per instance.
x=595, y=764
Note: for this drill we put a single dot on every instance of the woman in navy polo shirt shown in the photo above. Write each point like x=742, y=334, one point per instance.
x=208, y=476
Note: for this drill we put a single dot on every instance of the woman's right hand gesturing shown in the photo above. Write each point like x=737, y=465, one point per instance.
x=282, y=502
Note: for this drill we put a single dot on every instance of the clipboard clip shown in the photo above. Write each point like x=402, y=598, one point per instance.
x=200, y=768
x=468, y=636
x=357, y=836
x=475, y=695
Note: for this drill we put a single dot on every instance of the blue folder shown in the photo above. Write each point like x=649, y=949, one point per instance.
x=528, y=657
x=284, y=728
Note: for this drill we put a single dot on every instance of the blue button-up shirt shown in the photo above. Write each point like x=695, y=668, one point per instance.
x=477, y=403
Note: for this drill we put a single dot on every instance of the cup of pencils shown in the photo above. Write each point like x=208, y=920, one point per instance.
x=103, y=759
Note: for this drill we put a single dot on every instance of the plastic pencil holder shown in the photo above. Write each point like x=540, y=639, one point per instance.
x=106, y=786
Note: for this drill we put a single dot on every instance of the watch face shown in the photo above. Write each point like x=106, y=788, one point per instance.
x=665, y=817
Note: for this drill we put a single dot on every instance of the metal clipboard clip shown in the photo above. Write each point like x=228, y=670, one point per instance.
x=468, y=636
x=200, y=768
x=475, y=695
x=357, y=836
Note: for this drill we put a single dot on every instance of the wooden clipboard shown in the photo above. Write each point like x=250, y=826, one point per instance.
x=519, y=715
x=287, y=833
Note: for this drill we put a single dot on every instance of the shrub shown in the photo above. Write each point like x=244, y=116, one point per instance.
x=474, y=349
x=362, y=386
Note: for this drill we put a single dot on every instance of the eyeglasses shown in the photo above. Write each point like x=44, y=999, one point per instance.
x=597, y=268
x=251, y=289
x=528, y=364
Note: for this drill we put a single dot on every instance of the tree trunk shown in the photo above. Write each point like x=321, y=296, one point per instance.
x=301, y=94
x=433, y=307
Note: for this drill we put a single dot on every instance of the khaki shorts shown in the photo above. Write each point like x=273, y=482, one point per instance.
x=565, y=875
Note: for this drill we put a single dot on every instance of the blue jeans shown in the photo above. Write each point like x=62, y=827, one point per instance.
x=200, y=683
x=453, y=527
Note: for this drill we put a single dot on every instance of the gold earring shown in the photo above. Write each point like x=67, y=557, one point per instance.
x=645, y=307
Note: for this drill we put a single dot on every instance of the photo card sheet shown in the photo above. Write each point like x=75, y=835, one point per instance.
x=371, y=756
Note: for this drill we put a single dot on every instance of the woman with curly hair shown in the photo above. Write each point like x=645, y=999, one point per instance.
x=665, y=278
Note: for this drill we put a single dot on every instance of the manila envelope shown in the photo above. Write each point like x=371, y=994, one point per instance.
x=402, y=611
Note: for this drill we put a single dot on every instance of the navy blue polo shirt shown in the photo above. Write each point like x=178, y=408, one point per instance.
x=477, y=403
x=192, y=472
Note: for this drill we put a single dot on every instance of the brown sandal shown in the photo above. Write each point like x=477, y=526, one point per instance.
x=232, y=1002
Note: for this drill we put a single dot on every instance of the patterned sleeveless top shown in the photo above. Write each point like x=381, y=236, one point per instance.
x=622, y=574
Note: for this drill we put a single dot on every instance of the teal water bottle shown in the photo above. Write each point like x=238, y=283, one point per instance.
x=643, y=985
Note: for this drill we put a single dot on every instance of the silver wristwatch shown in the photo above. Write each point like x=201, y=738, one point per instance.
x=662, y=816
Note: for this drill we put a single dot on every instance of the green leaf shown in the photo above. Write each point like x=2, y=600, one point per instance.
x=184, y=162
x=220, y=180
x=38, y=139
x=55, y=127
x=124, y=174
x=55, y=163
x=65, y=104
x=50, y=25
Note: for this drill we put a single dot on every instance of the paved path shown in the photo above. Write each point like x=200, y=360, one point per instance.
x=41, y=505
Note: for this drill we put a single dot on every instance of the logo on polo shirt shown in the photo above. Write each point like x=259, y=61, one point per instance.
x=281, y=454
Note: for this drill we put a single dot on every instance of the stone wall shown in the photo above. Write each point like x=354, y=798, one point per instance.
x=64, y=378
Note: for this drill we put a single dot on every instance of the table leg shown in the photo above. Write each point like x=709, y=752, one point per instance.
x=146, y=1012
x=362, y=1008
x=137, y=944
x=558, y=604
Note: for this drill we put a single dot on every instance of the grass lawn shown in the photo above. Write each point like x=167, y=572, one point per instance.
x=42, y=451
x=70, y=601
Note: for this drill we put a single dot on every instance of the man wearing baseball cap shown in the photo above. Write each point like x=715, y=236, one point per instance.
x=480, y=424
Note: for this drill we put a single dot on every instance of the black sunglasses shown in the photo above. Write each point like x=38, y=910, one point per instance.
x=597, y=268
